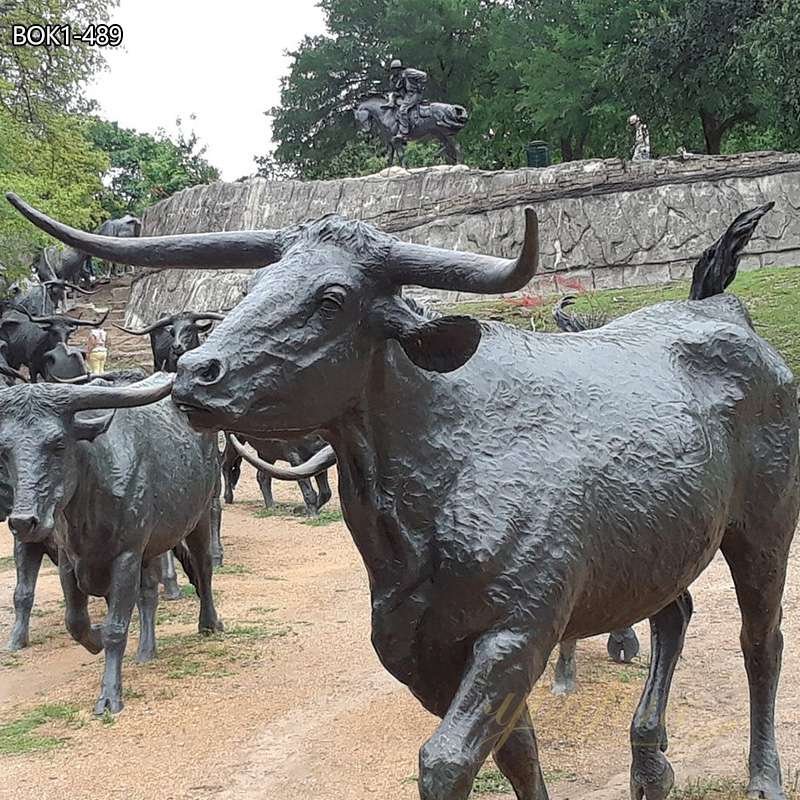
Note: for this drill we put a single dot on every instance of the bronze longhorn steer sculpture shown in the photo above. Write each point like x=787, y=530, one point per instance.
x=505, y=493
x=113, y=490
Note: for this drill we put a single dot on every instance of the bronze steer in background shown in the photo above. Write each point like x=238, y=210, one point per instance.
x=505, y=493
x=129, y=485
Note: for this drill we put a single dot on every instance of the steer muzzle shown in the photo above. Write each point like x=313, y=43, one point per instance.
x=198, y=393
x=28, y=528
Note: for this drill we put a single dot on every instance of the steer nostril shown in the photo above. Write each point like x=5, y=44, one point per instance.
x=211, y=372
x=22, y=525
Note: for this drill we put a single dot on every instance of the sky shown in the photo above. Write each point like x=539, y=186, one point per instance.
x=221, y=61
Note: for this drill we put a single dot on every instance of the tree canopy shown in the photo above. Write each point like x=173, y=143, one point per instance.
x=712, y=75
x=61, y=157
x=146, y=168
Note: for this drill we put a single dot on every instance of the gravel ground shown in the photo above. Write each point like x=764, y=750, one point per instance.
x=291, y=702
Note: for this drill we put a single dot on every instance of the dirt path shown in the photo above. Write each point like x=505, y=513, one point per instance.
x=292, y=702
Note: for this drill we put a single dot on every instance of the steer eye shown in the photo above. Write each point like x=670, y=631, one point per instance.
x=332, y=300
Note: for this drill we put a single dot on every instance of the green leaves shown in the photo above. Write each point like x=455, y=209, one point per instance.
x=710, y=74
x=145, y=168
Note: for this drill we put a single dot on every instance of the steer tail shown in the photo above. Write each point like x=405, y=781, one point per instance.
x=717, y=266
x=574, y=323
x=181, y=552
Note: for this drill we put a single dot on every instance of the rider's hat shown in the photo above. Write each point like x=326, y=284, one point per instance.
x=396, y=64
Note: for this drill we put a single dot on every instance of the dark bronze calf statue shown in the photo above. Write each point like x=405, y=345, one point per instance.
x=114, y=491
x=505, y=493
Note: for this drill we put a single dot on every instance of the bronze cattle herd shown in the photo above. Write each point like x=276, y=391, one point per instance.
x=508, y=491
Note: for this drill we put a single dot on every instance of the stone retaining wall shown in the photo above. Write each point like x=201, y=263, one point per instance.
x=604, y=223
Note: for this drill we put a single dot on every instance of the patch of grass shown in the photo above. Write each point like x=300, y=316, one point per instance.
x=7, y=562
x=108, y=718
x=635, y=672
x=229, y=569
x=42, y=636
x=279, y=510
x=325, y=517
x=20, y=737
x=559, y=775
x=709, y=789
x=10, y=660
x=490, y=781
x=771, y=295
x=187, y=655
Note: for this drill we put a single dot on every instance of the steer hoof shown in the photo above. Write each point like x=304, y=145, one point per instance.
x=563, y=686
x=17, y=642
x=764, y=788
x=652, y=778
x=93, y=641
x=210, y=628
x=111, y=705
x=623, y=647
x=171, y=590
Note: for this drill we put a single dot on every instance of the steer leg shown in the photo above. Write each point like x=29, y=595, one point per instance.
x=217, y=553
x=126, y=570
x=566, y=669
x=169, y=576
x=518, y=760
x=76, y=609
x=198, y=543
x=309, y=496
x=623, y=645
x=484, y=715
x=265, y=484
x=28, y=560
x=148, y=604
x=758, y=566
x=651, y=774
x=231, y=472
x=324, y=489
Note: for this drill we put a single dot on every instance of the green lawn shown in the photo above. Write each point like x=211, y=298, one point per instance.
x=772, y=295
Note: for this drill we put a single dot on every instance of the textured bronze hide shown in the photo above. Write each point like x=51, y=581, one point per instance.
x=505, y=489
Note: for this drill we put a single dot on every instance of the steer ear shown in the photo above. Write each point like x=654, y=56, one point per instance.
x=442, y=344
x=88, y=428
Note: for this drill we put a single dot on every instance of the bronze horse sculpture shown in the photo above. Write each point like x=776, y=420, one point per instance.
x=439, y=121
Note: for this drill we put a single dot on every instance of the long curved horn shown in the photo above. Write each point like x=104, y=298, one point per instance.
x=436, y=268
x=78, y=379
x=229, y=249
x=159, y=323
x=319, y=462
x=68, y=285
x=49, y=320
x=196, y=316
x=84, y=398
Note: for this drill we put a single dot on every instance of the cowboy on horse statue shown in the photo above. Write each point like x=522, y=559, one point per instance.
x=405, y=116
x=408, y=86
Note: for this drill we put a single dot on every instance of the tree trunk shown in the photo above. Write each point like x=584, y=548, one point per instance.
x=713, y=130
x=566, y=149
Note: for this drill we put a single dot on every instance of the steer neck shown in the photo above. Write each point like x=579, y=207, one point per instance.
x=381, y=479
